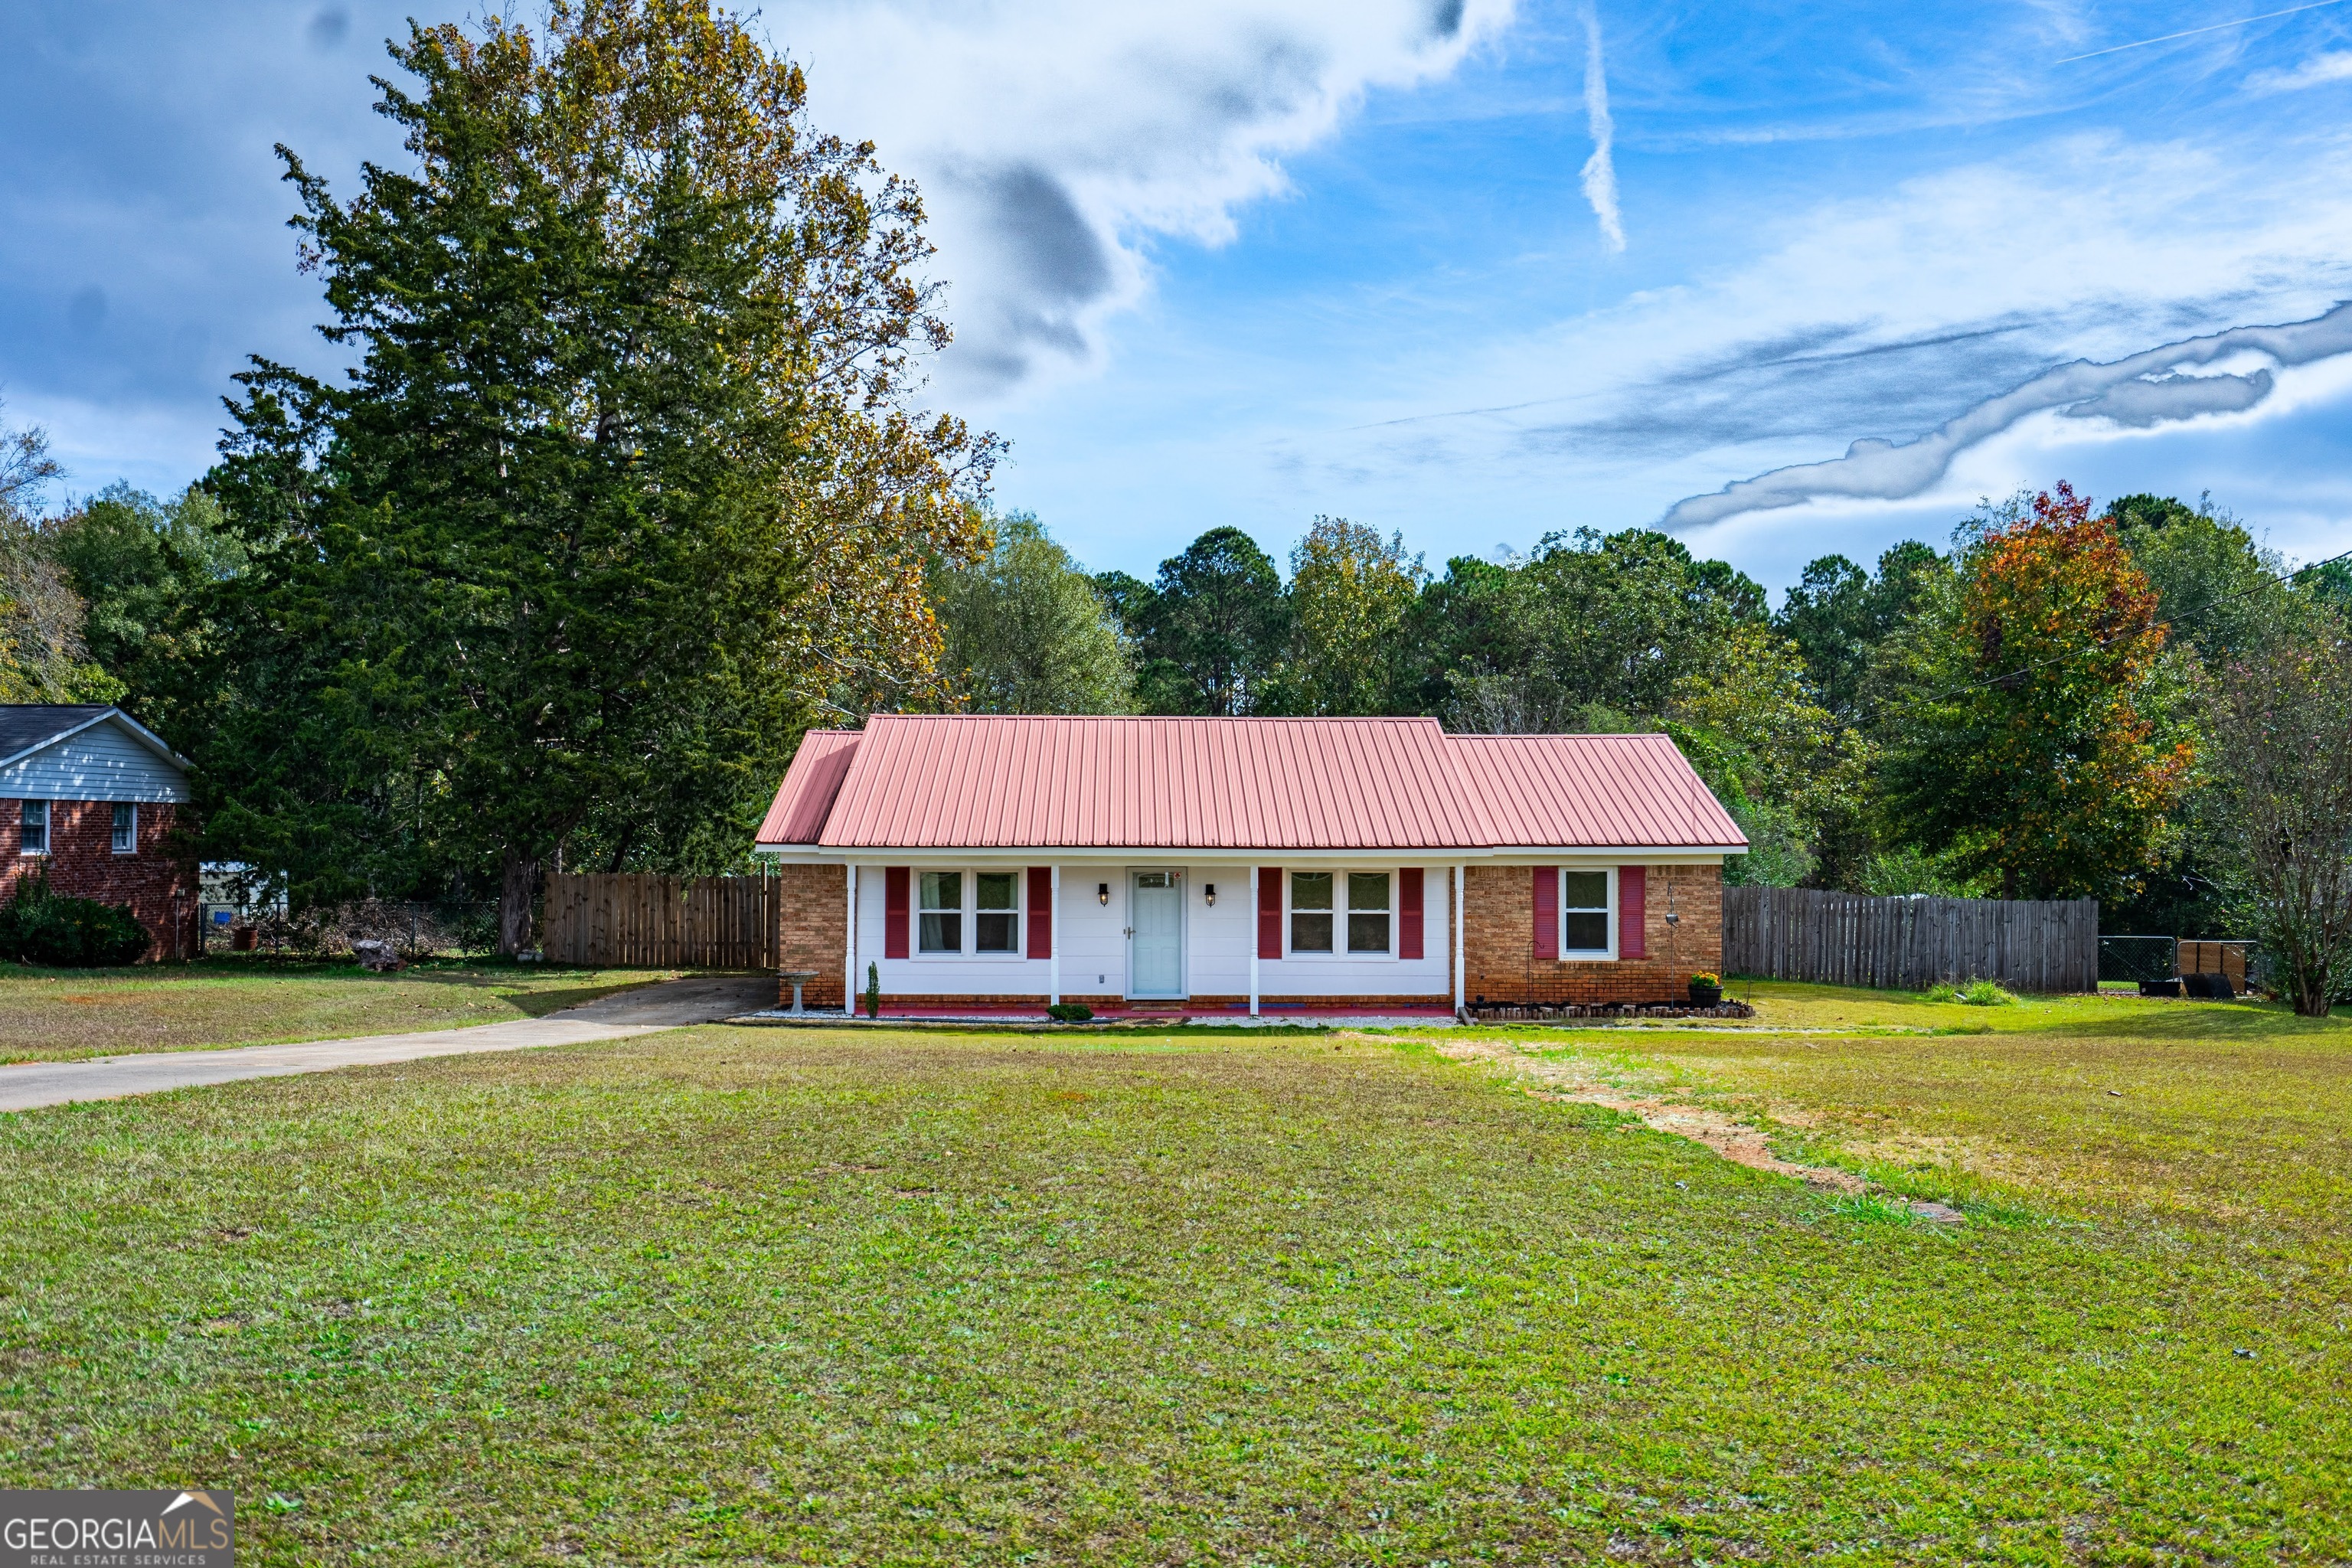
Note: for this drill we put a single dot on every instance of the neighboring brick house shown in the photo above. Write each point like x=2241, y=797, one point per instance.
x=1243, y=864
x=91, y=796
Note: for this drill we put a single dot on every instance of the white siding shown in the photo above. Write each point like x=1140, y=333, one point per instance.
x=1093, y=941
x=102, y=762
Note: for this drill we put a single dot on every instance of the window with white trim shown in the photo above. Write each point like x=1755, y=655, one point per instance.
x=1310, y=912
x=1368, y=911
x=1584, y=910
x=939, y=920
x=126, y=828
x=997, y=926
x=32, y=829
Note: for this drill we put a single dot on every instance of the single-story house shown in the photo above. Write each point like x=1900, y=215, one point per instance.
x=89, y=796
x=1243, y=864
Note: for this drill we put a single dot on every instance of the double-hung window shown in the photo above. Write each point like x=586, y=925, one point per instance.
x=992, y=917
x=998, y=922
x=1584, y=914
x=1315, y=911
x=33, y=837
x=1368, y=911
x=1310, y=912
x=126, y=829
x=940, y=923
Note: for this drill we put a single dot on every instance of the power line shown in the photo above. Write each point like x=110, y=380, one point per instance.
x=2193, y=32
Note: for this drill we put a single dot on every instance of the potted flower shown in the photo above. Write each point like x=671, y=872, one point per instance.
x=1705, y=989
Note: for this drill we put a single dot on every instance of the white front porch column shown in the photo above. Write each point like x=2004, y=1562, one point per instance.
x=1253, y=941
x=1053, y=938
x=1458, y=978
x=850, y=949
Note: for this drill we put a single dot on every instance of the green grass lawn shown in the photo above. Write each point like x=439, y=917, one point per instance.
x=768, y=1295
x=48, y=1014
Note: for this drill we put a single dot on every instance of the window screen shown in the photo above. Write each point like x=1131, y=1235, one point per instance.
x=1310, y=912
x=36, y=820
x=126, y=829
x=939, y=920
x=1584, y=912
x=997, y=926
x=1368, y=911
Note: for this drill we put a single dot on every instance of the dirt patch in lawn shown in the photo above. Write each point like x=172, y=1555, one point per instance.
x=1555, y=1078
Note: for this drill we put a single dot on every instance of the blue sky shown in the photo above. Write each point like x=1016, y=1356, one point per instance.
x=1248, y=262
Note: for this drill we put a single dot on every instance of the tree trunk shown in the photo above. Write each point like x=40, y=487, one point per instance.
x=517, y=885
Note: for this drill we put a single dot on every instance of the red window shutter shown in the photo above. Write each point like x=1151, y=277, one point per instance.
x=1041, y=911
x=1409, y=912
x=1632, y=912
x=1547, y=912
x=1269, y=911
x=894, y=911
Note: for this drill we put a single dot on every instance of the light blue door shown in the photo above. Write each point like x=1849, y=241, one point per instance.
x=1155, y=963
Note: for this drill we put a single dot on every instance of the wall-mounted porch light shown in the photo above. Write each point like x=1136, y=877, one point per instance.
x=1102, y=893
x=1209, y=889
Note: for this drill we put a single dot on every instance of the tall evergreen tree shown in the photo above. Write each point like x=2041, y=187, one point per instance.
x=1212, y=628
x=625, y=489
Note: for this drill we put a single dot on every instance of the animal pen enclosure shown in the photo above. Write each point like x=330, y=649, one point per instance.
x=1848, y=939
x=627, y=921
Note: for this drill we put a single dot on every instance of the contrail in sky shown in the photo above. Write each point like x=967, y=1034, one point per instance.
x=1600, y=173
x=2215, y=27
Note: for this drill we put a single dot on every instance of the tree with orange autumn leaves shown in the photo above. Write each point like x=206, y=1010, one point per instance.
x=2035, y=728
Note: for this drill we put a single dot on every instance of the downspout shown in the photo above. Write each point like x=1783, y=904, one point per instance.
x=1053, y=938
x=1253, y=918
x=1458, y=977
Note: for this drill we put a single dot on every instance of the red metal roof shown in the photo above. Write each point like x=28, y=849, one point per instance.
x=991, y=781
x=1575, y=790
x=805, y=798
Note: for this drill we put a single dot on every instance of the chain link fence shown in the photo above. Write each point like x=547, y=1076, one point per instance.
x=414, y=930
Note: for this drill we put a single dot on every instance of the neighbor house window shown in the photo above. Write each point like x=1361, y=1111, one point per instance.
x=126, y=830
x=1584, y=913
x=35, y=836
x=1368, y=911
x=941, y=923
x=997, y=926
x=1310, y=912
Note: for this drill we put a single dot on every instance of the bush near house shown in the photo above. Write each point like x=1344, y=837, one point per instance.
x=40, y=926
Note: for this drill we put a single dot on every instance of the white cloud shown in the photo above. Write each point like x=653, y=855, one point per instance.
x=1053, y=139
x=2317, y=71
x=1600, y=170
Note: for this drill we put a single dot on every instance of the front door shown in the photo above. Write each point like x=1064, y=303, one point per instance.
x=1155, y=942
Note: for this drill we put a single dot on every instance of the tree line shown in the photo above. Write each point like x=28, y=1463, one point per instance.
x=2066, y=700
x=629, y=485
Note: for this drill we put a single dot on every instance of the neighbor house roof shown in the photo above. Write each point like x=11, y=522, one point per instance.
x=27, y=727
x=991, y=781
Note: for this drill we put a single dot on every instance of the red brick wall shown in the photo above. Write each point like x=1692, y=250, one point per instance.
x=1498, y=942
x=81, y=861
x=813, y=930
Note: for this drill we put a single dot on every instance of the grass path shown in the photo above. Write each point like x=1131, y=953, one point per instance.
x=742, y=1295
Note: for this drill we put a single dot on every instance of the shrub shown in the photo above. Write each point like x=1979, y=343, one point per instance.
x=1986, y=993
x=873, y=990
x=38, y=926
x=1070, y=1012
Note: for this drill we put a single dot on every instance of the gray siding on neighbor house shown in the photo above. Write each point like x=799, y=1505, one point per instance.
x=102, y=762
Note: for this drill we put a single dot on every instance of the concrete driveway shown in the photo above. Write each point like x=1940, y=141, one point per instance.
x=674, y=1003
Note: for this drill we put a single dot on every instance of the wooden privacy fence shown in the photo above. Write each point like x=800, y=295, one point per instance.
x=631, y=922
x=1847, y=939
